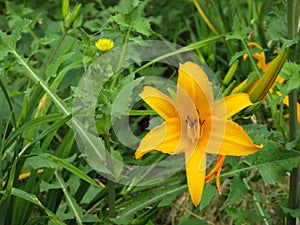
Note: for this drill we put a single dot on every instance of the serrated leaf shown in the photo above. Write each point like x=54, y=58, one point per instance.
x=243, y=216
x=121, y=19
x=276, y=20
x=240, y=31
x=272, y=161
x=8, y=42
x=142, y=26
x=125, y=6
x=291, y=73
x=17, y=9
x=52, y=69
x=237, y=190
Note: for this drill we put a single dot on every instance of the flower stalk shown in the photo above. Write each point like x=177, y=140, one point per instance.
x=292, y=22
x=110, y=184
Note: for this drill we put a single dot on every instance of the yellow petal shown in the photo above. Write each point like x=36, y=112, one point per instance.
x=286, y=102
x=195, y=172
x=166, y=138
x=234, y=141
x=260, y=56
x=230, y=105
x=195, y=82
x=159, y=102
x=252, y=43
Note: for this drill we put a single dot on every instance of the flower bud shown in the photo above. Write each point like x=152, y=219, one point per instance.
x=65, y=8
x=263, y=85
x=228, y=77
x=70, y=19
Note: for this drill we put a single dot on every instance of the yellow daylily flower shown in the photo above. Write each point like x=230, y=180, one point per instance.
x=195, y=124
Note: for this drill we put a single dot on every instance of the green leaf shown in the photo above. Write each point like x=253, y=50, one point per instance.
x=10, y=182
x=68, y=166
x=38, y=162
x=75, y=208
x=272, y=161
x=44, y=186
x=8, y=42
x=138, y=202
x=291, y=73
x=33, y=199
x=209, y=192
x=17, y=10
x=32, y=124
x=243, y=216
x=293, y=212
x=125, y=6
x=276, y=20
x=188, y=221
x=121, y=19
x=237, y=191
x=52, y=69
x=240, y=31
x=239, y=54
x=142, y=26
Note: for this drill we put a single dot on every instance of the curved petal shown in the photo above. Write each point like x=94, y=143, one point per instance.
x=195, y=172
x=166, y=138
x=260, y=56
x=233, y=141
x=159, y=102
x=195, y=82
x=230, y=105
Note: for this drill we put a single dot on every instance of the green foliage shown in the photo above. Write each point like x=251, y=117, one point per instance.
x=273, y=161
x=44, y=51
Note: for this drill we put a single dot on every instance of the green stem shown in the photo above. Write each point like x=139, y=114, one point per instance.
x=59, y=103
x=110, y=184
x=62, y=37
x=68, y=197
x=293, y=117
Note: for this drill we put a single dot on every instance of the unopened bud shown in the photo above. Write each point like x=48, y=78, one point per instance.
x=70, y=19
x=228, y=77
x=65, y=8
x=263, y=85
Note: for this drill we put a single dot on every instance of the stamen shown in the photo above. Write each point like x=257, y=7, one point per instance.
x=192, y=128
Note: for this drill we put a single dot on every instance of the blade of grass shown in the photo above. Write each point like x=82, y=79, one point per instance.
x=33, y=199
x=6, y=95
x=59, y=103
x=68, y=166
x=31, y=124
x=71, y=202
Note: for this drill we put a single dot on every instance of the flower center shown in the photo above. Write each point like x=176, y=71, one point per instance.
x=194, y=128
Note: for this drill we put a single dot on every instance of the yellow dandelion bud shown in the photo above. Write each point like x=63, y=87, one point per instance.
x=104, y=44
